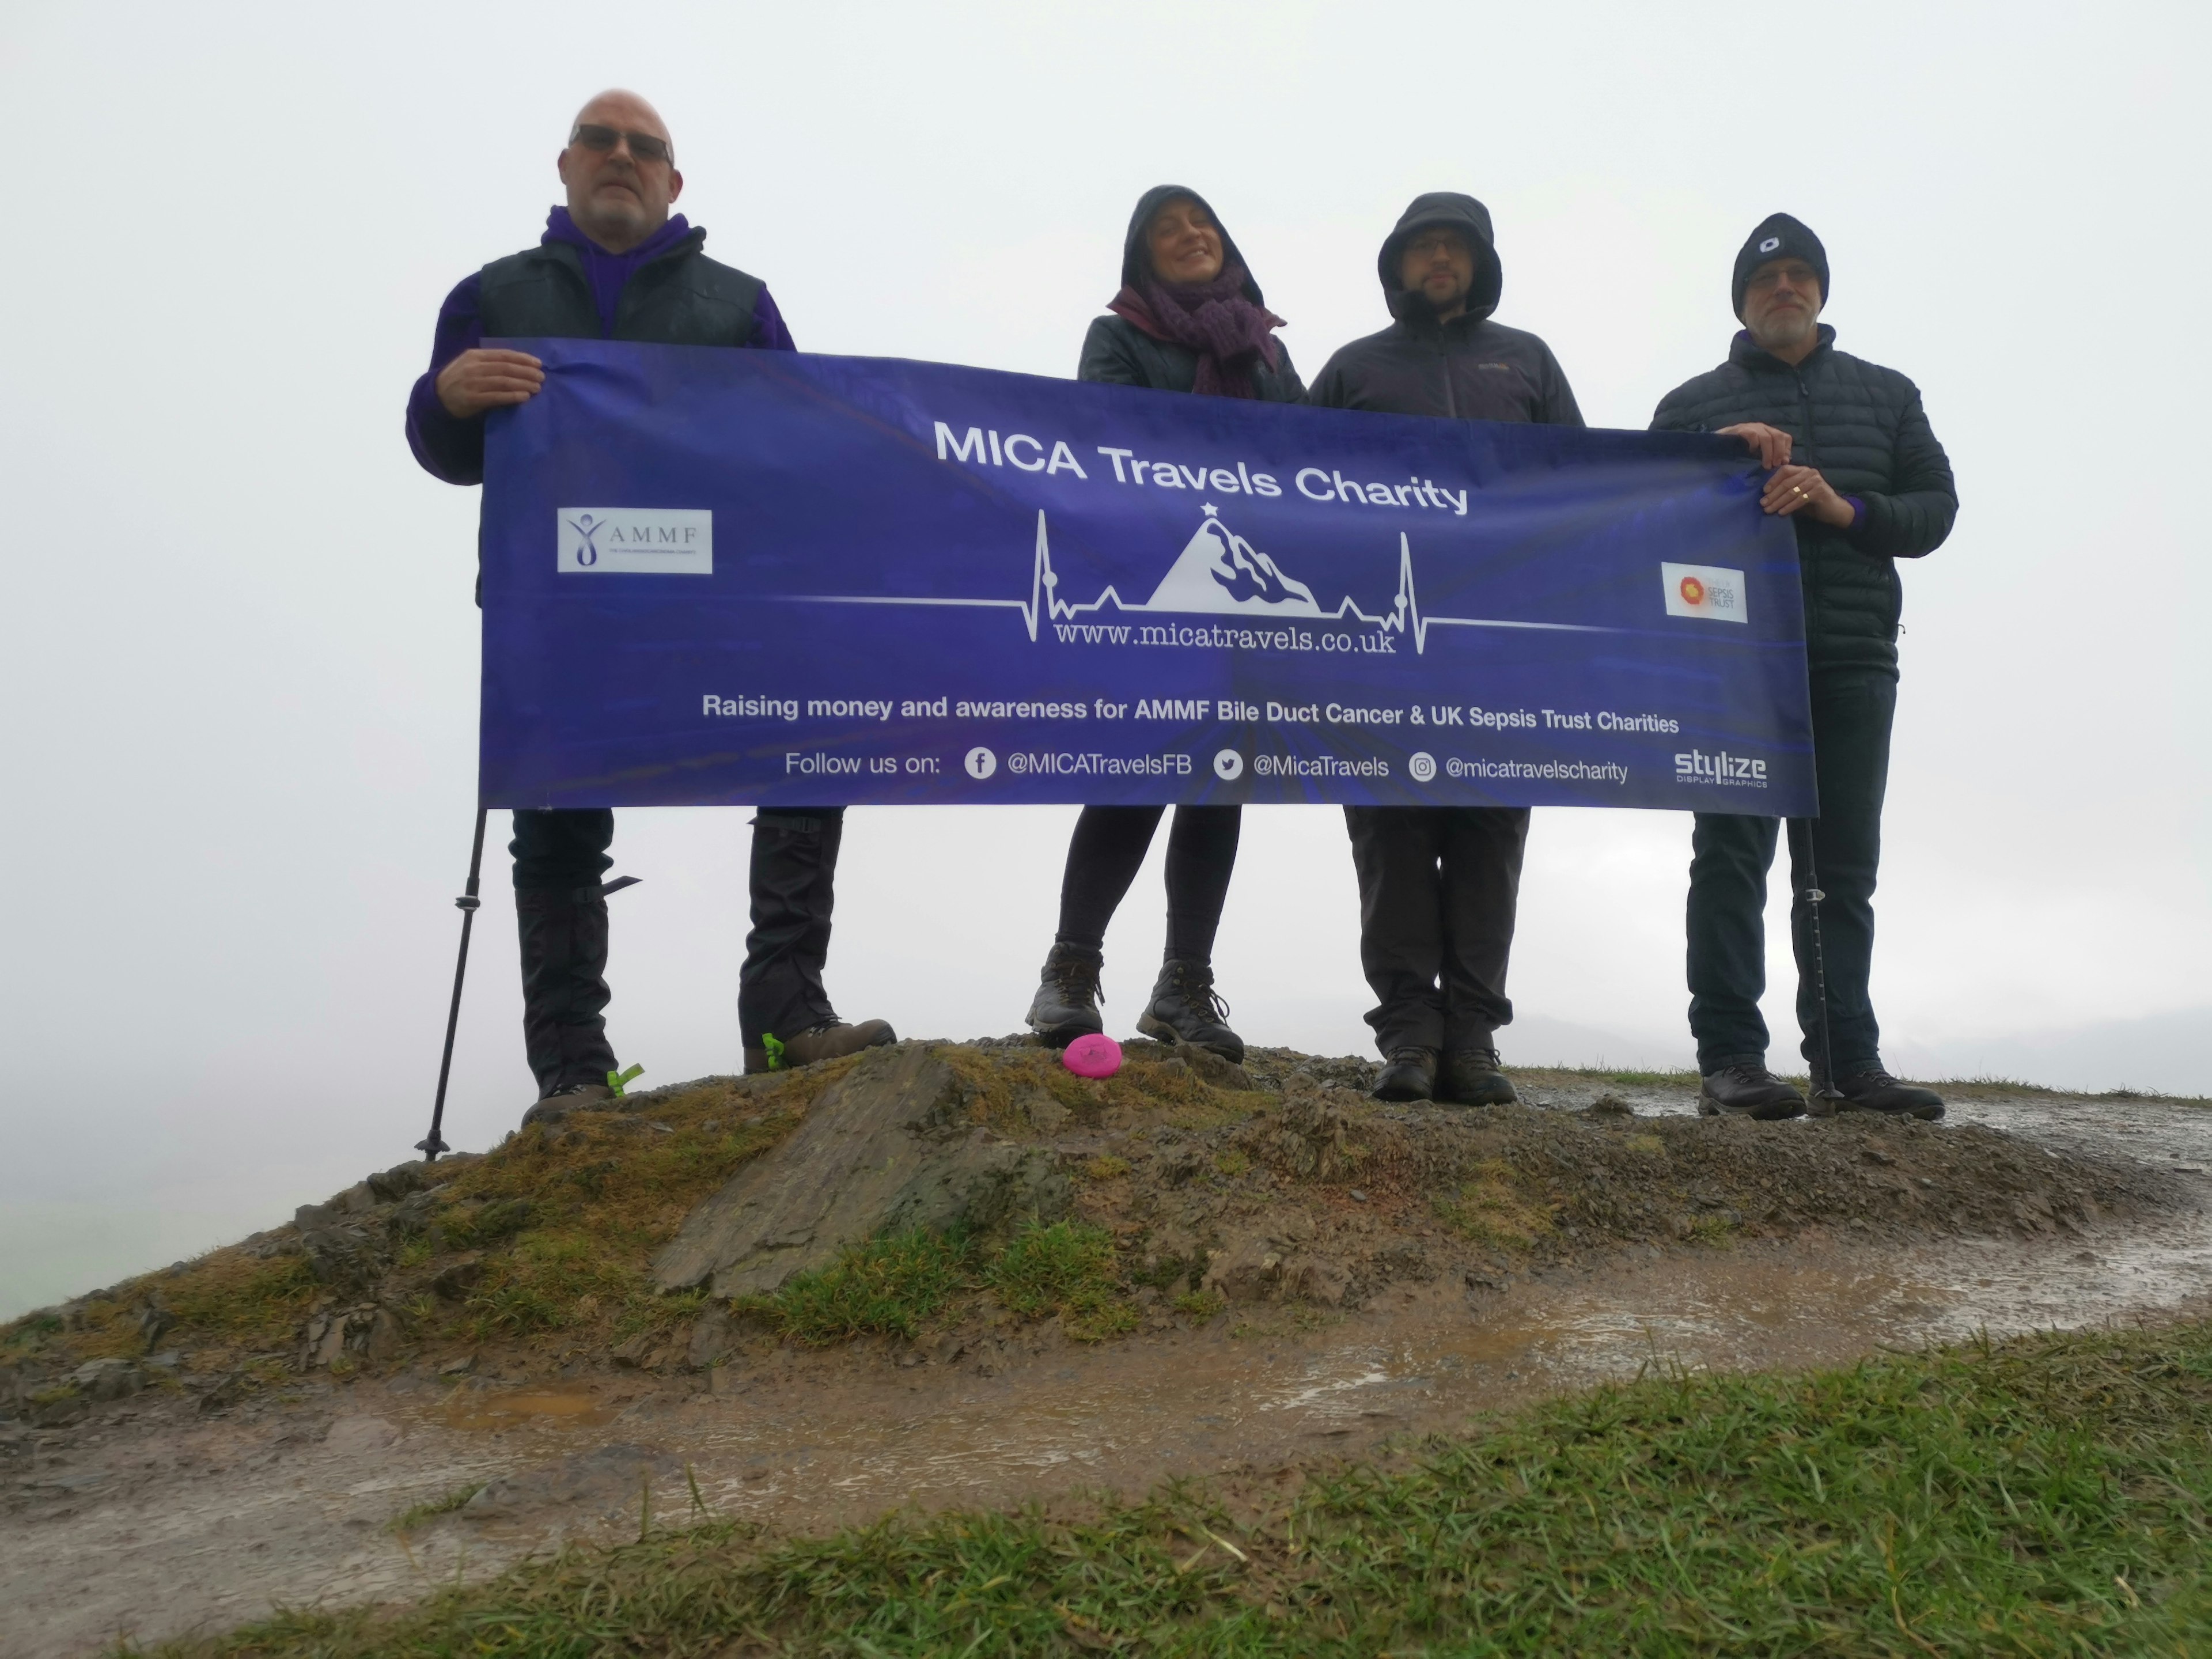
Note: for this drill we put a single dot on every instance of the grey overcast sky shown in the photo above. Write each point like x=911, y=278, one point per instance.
x=240, y=656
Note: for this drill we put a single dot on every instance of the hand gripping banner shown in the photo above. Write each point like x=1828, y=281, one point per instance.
x=754, y=576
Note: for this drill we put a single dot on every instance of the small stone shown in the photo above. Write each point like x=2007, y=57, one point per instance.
x=391, y=1185
x=361, y=1434
x=456, y=1281
x=60, y=1413
x=459, y=1366
x=107, y=1379
x=1358, y=1197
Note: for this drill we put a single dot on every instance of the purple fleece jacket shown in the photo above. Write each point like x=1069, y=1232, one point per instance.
x=451, y=448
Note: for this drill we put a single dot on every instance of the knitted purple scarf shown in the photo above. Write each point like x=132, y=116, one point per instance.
x=1214, y=319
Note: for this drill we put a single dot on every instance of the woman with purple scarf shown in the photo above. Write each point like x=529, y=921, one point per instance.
x=1189, y=318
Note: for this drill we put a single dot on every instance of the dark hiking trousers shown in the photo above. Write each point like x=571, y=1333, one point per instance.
x=560, y=920
x=1852, y=710
x=1108, y=847
x=794, y=872
x=559, y=859
x=1438, y=888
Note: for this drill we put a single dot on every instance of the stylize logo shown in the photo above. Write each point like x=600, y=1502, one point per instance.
x=1704, y=590
x=1770, y=245
x=1728, y=771
x=656, y=541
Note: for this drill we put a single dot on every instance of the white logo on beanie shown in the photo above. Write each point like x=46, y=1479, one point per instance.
x=1770, y=245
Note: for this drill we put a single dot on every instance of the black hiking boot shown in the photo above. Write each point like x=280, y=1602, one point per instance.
x=1410, y=1075
x=827, y=1039
x=1470, y=1077
x=1747, y=1089
x=1876, y=1091
x=1184, y=1008
x=1066, y=1006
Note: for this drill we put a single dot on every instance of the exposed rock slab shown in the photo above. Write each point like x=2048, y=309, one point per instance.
x=887, y=1147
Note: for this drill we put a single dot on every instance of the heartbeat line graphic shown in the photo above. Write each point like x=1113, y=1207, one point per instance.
x=1218, y=574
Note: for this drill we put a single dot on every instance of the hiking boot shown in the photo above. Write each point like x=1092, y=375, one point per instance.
x=1470, y=1077
x=577, y=1097
x=1410, y=1075
x=1185, y=1009
x=1876, y=1091
x=1066, y=1006
x=831, y=1039
x=1747, y=1089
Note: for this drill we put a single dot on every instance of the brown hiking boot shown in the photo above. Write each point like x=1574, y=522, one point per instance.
x=576, y=1097
x=831, y=1040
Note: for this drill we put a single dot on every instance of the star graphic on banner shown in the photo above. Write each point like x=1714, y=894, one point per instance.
x=1209, y=509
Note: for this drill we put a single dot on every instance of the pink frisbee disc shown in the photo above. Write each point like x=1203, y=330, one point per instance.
x=1094, y=1056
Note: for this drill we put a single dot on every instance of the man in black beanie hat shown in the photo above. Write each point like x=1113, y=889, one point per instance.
x=1854, y=465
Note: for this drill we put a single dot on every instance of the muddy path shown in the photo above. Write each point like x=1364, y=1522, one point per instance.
x=151, y=1518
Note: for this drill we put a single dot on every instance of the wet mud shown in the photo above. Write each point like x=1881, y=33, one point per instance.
x=151, y=1519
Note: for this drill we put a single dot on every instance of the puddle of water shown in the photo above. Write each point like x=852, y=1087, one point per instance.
x=580, y=1408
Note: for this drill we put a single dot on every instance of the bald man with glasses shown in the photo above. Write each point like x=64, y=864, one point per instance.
x=614, y=263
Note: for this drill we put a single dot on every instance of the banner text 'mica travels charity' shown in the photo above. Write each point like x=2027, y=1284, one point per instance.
x=779, y=579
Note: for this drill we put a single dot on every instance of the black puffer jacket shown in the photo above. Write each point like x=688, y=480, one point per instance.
x=1469, y=368
x=1118, y=352
x=1862, y=425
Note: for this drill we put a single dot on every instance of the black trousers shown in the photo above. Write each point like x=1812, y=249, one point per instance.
x=559, y=857
x=561, y=922
x=1437, y=889
x=1853, y=710
x=1108, y=847
x=794, y=871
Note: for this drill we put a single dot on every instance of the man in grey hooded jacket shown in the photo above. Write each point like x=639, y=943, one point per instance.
x=1438, y=885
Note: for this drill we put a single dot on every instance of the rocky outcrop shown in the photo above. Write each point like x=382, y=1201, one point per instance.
x=887, y=1147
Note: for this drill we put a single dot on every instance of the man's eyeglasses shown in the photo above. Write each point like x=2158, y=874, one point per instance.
x=643, y=146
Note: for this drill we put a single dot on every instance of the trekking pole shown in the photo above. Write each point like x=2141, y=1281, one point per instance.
x=433, y=1143
x=1826, y=1094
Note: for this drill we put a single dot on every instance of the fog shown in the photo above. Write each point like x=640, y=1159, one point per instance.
x=239, y=675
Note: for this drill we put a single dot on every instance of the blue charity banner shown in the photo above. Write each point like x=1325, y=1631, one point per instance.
x=779, y=579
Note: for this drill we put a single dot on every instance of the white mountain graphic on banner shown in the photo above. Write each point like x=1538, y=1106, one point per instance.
x=1216, y=574
x=1222, y=573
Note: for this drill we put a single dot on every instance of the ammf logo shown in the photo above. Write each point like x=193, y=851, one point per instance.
x=656, y=541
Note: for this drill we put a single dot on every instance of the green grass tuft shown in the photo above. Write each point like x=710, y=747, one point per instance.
x=1200, y=1304
x=421, y=1514
x=887, y=1287
x=1068, y=1268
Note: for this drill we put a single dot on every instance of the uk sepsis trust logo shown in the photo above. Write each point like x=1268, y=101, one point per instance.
x=1706, y=591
